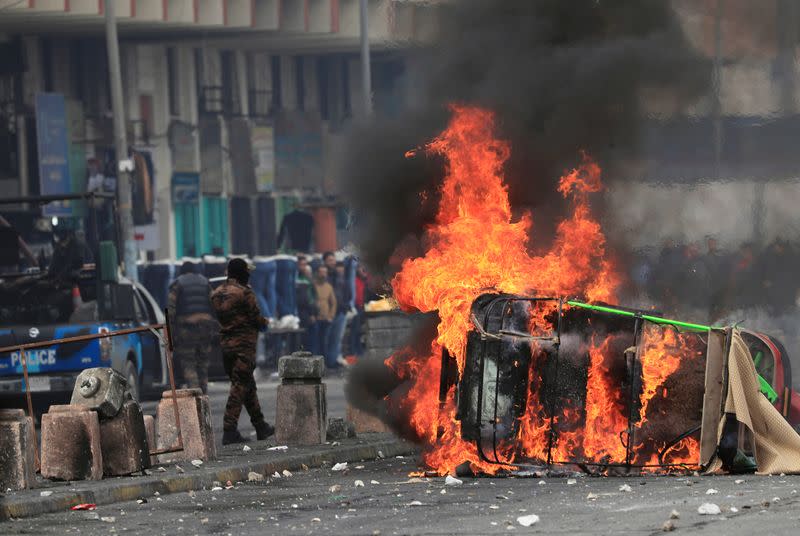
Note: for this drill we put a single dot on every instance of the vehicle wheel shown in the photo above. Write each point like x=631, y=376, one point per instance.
x=133, y=379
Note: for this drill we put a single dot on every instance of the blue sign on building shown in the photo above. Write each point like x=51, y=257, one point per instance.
x=51, y=140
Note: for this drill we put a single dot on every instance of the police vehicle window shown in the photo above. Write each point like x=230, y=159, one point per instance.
x=141, y=316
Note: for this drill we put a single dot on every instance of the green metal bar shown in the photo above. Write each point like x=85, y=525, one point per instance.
x=649, y=318
x=764, y=385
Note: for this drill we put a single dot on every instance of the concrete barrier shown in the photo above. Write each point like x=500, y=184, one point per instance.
x=123, y=440
x=17, y=454
x=101, y=389
x=71, y=444
x=196, y=430
x=301, y=407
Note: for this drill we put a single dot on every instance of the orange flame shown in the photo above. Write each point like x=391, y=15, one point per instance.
x=475, y=245
x=605, y=415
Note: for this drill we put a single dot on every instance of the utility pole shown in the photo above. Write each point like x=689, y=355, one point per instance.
x=366, y=70
x=124, y=164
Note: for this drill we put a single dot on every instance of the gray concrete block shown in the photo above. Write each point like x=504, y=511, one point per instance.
x=196, y=429
x=301, y=366
x=339, y=429
x=301, y=414
x=101, y=389
x=71, y=444
x=17, y=455
x=123, y=440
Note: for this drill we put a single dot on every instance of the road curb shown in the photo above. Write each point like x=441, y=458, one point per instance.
x=122, y=489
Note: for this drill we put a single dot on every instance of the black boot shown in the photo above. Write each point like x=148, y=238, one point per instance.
x=232, y=436
x=264, y=430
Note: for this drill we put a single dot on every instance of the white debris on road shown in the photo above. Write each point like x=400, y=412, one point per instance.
x=341, y=466
x=287, y=473
x=625, y=488
x=335, y=488
x=246, y=449
x=592, y=496
x=414, y=503
x=711, y=491
x=740, y=481
x=709, y=509
x=279, y=447
x=197, y=463
x=358, y=484
x=570, y=481
x=45, y=493
x=374, y=482
x=674, y=515
x=527, y=521
x=252, y=476
x=452, y=481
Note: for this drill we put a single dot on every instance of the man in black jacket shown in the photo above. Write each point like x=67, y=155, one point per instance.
x=195, y=329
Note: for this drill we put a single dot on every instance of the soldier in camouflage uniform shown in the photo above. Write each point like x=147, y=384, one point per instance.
x=240, y=320
x=195, y=329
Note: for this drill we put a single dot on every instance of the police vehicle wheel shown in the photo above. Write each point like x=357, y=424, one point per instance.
x=133, y=379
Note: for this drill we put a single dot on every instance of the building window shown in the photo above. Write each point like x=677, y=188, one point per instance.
x=300, y=82
x=259, y=94
x=277, y=94
x=347, y=108
x=173, y=77
x=323, y=87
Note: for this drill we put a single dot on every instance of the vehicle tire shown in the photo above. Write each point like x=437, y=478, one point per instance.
x=133, y=379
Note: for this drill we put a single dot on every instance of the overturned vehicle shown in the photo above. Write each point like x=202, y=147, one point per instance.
x=549, y=382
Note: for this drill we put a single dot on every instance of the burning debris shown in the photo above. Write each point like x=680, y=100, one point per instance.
x=518, y=376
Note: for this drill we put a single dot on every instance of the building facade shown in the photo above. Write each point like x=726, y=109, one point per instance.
x=234, y=108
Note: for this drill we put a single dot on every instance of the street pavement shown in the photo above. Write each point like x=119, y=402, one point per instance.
x=323, y=501
x=267, y=393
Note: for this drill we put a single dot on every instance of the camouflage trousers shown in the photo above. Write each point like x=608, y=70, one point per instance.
x=193, y=343
x=240, y=366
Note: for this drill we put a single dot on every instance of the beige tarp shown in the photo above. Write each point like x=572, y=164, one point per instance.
x=776, y=444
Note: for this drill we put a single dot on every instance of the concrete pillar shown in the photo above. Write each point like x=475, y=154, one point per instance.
x=196, y=430
x=71, y=444
x=301, y=408
x=123, y=440
x=17, y=454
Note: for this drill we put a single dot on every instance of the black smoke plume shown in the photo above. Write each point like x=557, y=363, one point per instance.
x=562, y=76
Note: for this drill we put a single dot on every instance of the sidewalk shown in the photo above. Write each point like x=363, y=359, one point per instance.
x=233, y=464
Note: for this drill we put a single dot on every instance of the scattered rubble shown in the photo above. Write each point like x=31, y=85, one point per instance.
x=625, y=488
x=452, y=481
x=709, y=509
x=674, y=515
x=252, y=476
x=711, y=491
x=358, y=484
x=668, y=526
x=246, y=449
x=527, y=521
x=341, y=466
x=197, y=463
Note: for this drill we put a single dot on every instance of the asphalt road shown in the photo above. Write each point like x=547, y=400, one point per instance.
x=393, y=503
x=267, y=393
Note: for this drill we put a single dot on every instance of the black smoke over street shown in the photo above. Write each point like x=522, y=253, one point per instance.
x=561, y=76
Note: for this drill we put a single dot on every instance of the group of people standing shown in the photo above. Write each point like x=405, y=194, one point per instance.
x=324, y=297
x=229, y=316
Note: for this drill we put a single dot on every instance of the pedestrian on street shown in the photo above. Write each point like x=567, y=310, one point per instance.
x=240, y=320
x=326, y=311
x=341, y=289
x=196, y=329
x=306, y=300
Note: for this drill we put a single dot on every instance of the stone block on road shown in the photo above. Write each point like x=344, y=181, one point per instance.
x=301, y=366
x=101, y=389
x=196, y=430
x=71, y=444
x=123, y=440
x=301, y=414
x=339, y=429
x=17, y=455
